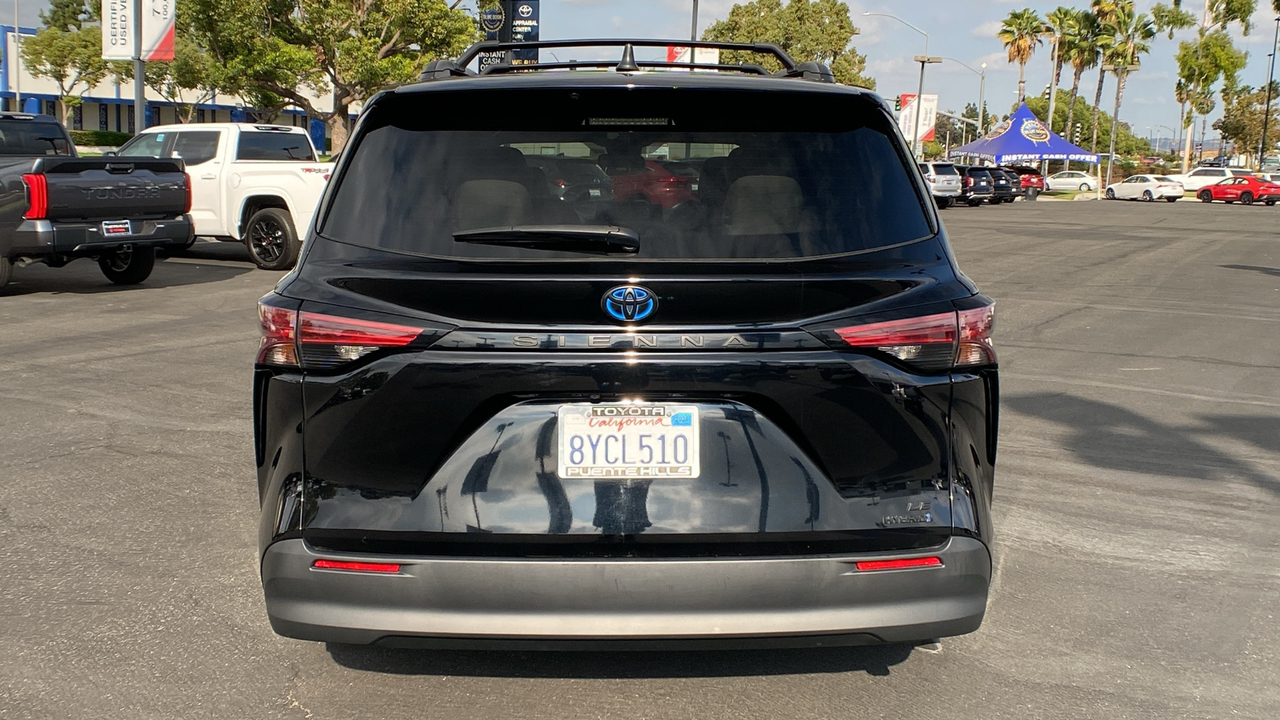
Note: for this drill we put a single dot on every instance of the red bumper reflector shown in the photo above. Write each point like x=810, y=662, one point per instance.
x=899, y=564
x=366, y=567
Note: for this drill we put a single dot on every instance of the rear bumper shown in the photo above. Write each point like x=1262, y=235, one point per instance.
x=57, y=237
x=483, y=602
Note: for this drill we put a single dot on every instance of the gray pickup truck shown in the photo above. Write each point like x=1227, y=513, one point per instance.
x=56, y=207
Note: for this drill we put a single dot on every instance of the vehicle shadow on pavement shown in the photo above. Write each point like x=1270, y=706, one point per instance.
x=1113, y=437
x=1274, y=272
x=211, y=250
x=82, y=277
x=874, y=660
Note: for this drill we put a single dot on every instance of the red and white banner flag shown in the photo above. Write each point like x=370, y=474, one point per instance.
x=120, y=37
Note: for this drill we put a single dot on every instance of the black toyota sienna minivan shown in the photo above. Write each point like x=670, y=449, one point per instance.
x=761, y=410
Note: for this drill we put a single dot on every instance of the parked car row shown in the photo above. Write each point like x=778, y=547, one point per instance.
x=975, y=184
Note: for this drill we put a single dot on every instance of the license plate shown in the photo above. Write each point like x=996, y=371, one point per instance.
x=116, y=227
x=593, y=192
x=628, y=441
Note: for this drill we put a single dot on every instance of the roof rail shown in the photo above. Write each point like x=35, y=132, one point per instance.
x=443, y=69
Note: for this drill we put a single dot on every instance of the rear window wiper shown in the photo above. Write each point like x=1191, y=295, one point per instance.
x=590, y=239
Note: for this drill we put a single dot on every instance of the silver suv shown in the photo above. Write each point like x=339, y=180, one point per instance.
x=944, y=182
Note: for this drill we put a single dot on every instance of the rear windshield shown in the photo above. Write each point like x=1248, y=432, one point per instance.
x=979, y=172
x=1242, y=173
x=274, y=146
x=22, y=137
x=694, y=176
x=944, y=169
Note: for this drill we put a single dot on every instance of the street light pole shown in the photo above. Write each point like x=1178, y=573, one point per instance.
x=1271, y=75
x=982, y=89
x=916, y=145
x=17, y=63
x=693, y=34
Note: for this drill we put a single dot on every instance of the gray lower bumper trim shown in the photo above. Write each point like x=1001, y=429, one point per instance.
x=461, y=602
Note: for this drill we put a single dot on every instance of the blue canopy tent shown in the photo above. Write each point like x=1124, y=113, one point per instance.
x=1022, y=138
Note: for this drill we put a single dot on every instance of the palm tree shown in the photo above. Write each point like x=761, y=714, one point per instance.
x=1081, y=50
x=1103, y=12
x=1021, y=34
x=1132, y=33
x=1057, y=26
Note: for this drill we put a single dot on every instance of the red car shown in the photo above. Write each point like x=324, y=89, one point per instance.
x=656, y=184
x=1245, y=189
x=1029, y=177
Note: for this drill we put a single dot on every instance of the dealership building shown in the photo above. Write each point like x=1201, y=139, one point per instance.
x=109, y=105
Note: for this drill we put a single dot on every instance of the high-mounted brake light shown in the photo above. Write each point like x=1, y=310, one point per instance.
x=897, y=564
x=931, y=342
x=291, y=338
x=37, y=196
x=364, y=567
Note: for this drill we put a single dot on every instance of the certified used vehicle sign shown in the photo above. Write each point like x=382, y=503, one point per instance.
x=628, y=441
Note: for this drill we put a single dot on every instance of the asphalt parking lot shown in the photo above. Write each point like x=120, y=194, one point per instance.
x=1138, y=484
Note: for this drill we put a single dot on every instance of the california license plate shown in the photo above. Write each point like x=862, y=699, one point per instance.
x=628, y=441
x=593, y=192
x=116, y=227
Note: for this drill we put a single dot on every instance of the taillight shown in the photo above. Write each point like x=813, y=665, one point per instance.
x=364, y=567
x=968, y=181
x=279, y=326
x=187, y=181
x=956, y=339
x=560, y=183
x=37, y=196
x=898, y=564
x=291, y=338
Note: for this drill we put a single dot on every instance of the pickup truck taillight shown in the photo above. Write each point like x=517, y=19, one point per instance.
x=186, y=177
x=37, y=196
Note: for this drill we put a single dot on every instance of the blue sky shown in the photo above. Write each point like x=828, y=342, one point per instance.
x=963, y=29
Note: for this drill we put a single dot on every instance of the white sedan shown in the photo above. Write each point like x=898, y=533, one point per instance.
x=1071, y=180
x=1146, y=187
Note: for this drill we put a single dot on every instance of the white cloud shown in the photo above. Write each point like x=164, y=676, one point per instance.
x=987, y=30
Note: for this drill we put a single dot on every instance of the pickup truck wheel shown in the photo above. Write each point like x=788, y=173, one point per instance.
x=128, y=267
x=6, y=271
x=272, y=243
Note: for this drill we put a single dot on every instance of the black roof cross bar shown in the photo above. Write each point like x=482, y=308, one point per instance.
x=604, y=64
x=776, y=52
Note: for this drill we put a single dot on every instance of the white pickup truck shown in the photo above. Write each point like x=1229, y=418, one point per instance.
x=256, y=184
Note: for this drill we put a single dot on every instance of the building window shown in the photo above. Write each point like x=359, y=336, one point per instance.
x=51, y=107
x=77, y=117
x=200, y=115
x=131, y=120
x=102, y=117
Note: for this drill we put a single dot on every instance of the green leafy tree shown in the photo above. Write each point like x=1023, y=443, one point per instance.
x=192, y=78
x=72, y=59
x=1020, y=36
x=971, y=112
x=67, y=15
x=350, y=48
x=1242, y=117
x=1209, y=59
x=1203, y=63
x=809, y=30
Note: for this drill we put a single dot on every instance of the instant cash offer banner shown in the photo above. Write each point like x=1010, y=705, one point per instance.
x=119, y=37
